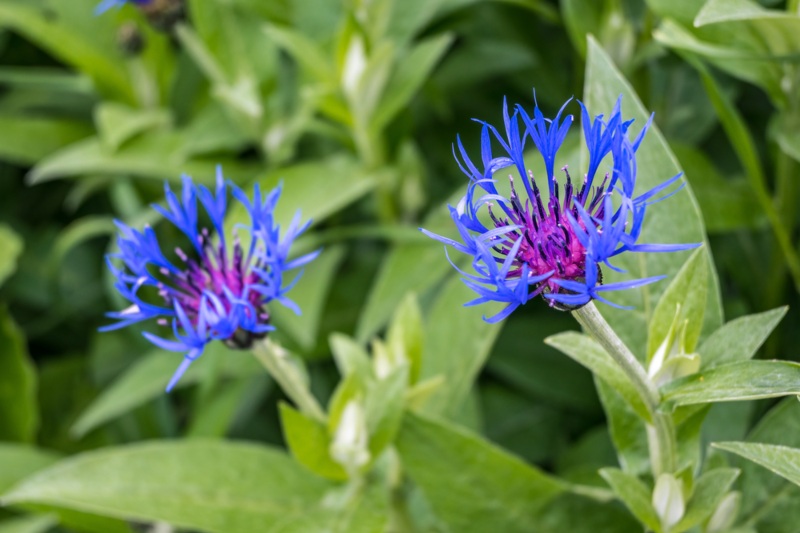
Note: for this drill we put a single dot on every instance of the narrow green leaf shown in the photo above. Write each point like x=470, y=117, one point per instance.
x=739, y=339
x=208, y=485
x=305, y=51
x=747, y=380
x=634, y=494
x=309, y=442
x=91, y=52
x=18, y=462
x=148, y=378
x=10, y=249
x=158, y=156
x=472, y=485
x=677, y=220
x=19, y=411
x=689, y=290
x=709, y=489
x=587, y=352
x=782, y=460
x=408, y=76
x=116, y=123
x=775, y=34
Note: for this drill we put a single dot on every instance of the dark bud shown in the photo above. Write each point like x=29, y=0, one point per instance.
x=163, y=15
x=566, y=307
x=243, y=340
x=130, y=39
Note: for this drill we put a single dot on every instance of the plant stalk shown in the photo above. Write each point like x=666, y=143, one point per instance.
x=663, y=447
x=278, y=363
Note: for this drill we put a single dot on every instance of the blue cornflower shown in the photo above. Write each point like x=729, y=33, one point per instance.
x=105, y=5
x=217, y=292
x=553, y=247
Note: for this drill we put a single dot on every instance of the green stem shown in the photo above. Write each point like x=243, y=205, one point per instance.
x=663, y=448
x=278, y=363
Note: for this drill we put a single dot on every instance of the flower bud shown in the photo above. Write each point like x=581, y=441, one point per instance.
x=349, y=446
x=725, y=513
x=668, y=500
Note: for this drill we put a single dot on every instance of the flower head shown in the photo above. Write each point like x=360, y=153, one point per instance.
x=551, y=238
x=215, y=291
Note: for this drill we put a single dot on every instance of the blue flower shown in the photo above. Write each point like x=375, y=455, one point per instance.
x=216, y=291
x=554, y=248
x=105, y=5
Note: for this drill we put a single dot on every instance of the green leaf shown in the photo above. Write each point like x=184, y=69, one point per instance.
x=208, y=485
x=689, y=290
x=774, y=34
x=406, y=337
x=472, y=485
x=317, y=189
x=350, y=357
x=116, y=123
x=148, y=378
x=677, y=220
x=407, y=267
x=311, y=295
x=590, y=354
x=214, y=416
x=10, y=249
x=709, y=490
x=306, y=52
x=739, y=339
x=158, y=156
x=28, y=524
x=782, y=460
x=27, y=139
x=59, y=34
x=18, y=461
x=768, y=501
x=634, y=494
x=407, y=77
x=457, y=343
x=747, y=380
x=19, y=411
x=309, y=442
x=627, y=430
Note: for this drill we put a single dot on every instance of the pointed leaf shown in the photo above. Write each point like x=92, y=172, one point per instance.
x=201, y=484
x=748, y=380
x=472, y=485
x=782, y=460
x=739, y=339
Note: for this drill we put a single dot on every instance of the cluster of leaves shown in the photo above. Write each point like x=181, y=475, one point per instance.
x=353, y=106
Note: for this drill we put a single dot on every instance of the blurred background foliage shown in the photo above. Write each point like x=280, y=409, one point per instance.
x=354, y=106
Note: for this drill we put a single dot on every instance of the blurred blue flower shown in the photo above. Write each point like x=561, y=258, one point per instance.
x=552, y=242
x=105, y=5
x=218, y=292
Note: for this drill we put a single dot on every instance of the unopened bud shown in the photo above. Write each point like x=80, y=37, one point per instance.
x=668, y=500
x=725, y=513
x=350, y=443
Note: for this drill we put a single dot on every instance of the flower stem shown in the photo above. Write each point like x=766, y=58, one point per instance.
x=663, y=448
x=278, y=363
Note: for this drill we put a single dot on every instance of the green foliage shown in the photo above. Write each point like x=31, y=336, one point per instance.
x=416, y=415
